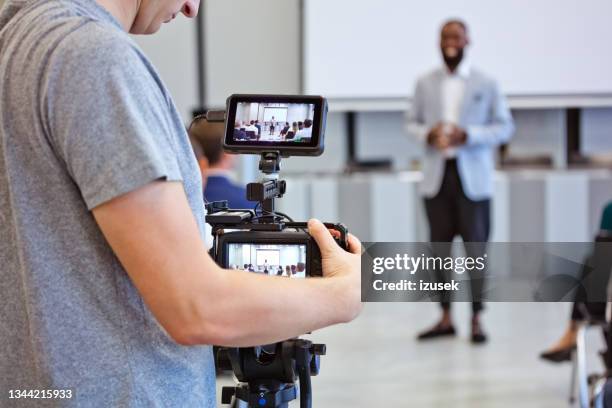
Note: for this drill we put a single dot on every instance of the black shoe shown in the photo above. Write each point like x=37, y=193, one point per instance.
x=479, y=338
x=559, y=356
x=437, y=331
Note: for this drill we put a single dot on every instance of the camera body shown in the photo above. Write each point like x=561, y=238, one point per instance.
x=242, y=241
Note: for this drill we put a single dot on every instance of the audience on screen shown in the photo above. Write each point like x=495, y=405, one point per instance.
x=239, y=132
x=278, y=270
x=305, y=134
x=300, y=131
x=285, y=129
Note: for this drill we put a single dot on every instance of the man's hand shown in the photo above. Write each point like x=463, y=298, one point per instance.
x=457, y=136
x=445, y=135
x=438, y=138
x=338, y=264
x=155, y=236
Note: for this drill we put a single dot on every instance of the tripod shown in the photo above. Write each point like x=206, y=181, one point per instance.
x=267, y=374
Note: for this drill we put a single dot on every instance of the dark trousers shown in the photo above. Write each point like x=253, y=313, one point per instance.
x=451, y=213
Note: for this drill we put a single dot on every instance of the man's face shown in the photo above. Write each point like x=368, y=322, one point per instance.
x=153, y=13
x=453, y=40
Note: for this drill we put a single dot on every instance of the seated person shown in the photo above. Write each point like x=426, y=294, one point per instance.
x=300, y=125
x=253, y=128
x=292, y=132
x=563, y=348
x=216, y=165
x=301, y=269
x=285, y=129
x=258, y=126
x=305, y=134
x=239, y=132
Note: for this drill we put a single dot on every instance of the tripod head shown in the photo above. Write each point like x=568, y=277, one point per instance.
x=270, y=188
x=268, y=375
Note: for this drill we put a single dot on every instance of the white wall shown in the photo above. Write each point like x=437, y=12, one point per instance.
x=252, y=46
x=172, y=51
x=543, y=47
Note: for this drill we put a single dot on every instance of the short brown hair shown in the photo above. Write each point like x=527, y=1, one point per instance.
x=209, y=138
x=457, y=21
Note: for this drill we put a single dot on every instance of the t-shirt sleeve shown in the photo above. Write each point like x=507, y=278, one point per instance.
x=107, y=116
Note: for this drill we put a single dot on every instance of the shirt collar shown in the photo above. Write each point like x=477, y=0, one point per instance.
x=216, y=172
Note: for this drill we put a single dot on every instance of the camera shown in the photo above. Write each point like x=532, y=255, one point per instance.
x=263, y=240
x=290, y=125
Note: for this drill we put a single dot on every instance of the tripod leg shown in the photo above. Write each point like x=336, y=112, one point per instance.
x=572, y=395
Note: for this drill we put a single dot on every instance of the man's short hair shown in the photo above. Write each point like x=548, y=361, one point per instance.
x=457, y=21
x=307, y=123
x=208, y=137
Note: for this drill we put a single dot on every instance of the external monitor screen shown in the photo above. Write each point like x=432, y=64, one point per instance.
x=267, y=122
x=288, y=260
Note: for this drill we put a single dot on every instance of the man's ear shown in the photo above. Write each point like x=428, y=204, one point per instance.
x=204, y=166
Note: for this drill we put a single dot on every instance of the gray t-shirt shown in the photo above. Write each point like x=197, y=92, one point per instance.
x=84, y=118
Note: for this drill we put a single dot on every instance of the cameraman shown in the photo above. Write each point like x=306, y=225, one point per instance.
x=105, y=279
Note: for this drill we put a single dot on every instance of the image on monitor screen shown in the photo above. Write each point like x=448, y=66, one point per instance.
x=288, y=260
x=273, y=122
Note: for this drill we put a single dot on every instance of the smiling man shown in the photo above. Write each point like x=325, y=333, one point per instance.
x=461, y=117
x=107, y=292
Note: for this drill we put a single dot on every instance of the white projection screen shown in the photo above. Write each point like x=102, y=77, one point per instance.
x=280, y=114
x=377, y=49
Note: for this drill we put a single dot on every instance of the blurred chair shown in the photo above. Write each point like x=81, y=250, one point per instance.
x=595, y=388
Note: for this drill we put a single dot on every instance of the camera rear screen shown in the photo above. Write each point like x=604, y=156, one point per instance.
x=266, y=122
x=288, y=260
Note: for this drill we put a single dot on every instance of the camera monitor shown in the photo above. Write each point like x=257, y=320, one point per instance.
x=292, y=254
x=288, y=260
x=290, y=125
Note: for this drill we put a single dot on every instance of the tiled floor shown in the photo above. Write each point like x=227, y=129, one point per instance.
x=375, y=361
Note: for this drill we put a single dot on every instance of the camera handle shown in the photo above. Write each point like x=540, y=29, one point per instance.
x=268, y=379
x=270, y=188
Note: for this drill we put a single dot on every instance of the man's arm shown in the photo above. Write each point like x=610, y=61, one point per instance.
x=415, y=123
x=500, y=128
x=155, y=236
